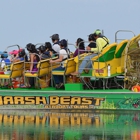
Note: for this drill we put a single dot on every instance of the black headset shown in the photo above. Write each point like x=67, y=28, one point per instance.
x=30, y=46
x=91, y=37
x=63, y=43
x=4, y=55
x=42, y=48
x=21, y=53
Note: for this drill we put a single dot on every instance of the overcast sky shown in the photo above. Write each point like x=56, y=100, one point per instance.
x=33, y=21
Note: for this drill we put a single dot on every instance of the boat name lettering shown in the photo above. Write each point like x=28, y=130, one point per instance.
x=23, y=100
x=52, y=101
x=76, y=100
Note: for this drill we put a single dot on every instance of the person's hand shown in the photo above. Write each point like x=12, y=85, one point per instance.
x=88, y=48
x=51, y=61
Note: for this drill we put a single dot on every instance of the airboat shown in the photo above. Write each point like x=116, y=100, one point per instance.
x=112, y=83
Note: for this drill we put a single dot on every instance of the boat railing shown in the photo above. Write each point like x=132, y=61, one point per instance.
x=119, y=39
x=13, y=46
x=87, y=51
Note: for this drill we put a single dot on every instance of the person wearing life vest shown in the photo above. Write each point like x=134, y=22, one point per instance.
x=63, y=55
x=43, y=53
x=101, y=43
x=55, y=40
x=18, y=55
x=5, y=63
x=80, y=47
x=50, y=49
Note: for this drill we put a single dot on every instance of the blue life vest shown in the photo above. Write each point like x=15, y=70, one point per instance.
x=7, y=61
x=7, y=64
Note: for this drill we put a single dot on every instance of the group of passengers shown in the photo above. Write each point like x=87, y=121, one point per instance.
x=59, y=49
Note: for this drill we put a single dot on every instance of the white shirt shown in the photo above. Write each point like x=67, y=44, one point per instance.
x=63, y=53
x=56, y=48
x=2, y=64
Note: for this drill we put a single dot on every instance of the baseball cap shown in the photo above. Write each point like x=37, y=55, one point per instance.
x=14, y=52
x=4, y=54
x=55, y=36
x=97, y=32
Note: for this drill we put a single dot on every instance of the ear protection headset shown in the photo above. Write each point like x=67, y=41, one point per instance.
x=90, y=37
x=79, y=40
x=30, y=46
x=4, y=55
x=21, y=53
x=63, y=43
x=42, y=48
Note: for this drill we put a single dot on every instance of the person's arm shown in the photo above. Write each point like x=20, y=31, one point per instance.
x=51, y=54
x=75, y=53
x=88, y=48
x=98, y=47
x=31, y=61
x=57, y=60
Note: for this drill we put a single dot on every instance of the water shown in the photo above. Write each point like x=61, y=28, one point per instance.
x=74, y=125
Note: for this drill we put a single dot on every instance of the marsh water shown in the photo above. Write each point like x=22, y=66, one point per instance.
x=72, y=125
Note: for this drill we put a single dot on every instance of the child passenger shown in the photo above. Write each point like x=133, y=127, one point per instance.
x=5, y=63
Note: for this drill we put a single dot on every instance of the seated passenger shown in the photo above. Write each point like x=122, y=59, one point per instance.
x=50, y=49
x=101, y=42
x=44, y=54
x=5, y=64
x=63, y=55
x=13, y=55
x=55, y=40
x=4, y=67
x=22, y=56
x=34, y=59
x=18, y=55
x=80, y=47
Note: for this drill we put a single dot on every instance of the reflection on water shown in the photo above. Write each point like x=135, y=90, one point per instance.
x=42, y=125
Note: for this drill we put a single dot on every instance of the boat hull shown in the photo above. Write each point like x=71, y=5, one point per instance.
x=66, y=100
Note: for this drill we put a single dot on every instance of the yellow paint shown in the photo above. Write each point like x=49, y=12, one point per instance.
x=54, y=121
x=29, y=120
x=87, y=101
x=64, y=121
x=41, y=100
x=75, y=121
x=54, y=100
x=98, y=100
x=19, y=120
x=75, y=100
x=29, y=100
x=40, y=120
x=65, y=100
x=1, y=101
x=8, y=100
x=19, y=100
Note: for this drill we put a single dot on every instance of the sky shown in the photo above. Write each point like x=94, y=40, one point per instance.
x=34, y=21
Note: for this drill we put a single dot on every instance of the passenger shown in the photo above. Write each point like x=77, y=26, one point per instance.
x=97, y=32
x=22, y=56
x=13, y=55
x=18, y=55
x=4, y=67
x=101, y=42
x=63, y=55
x=34, y=59
x=80, y=47
x=55, y=40
x=44, y=54
x=50, y=49
x=5, y=63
